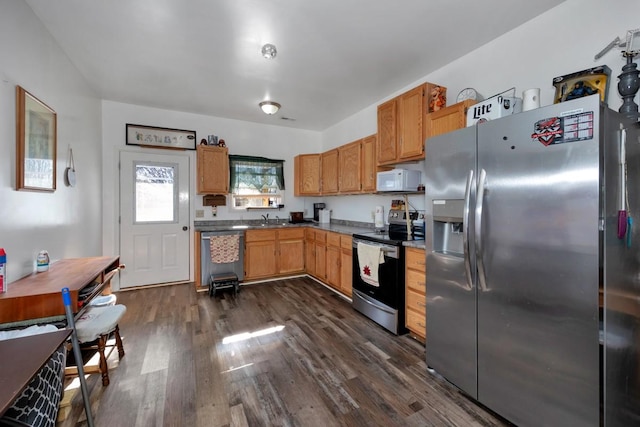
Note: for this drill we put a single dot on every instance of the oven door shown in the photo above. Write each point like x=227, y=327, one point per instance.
x=390, y=275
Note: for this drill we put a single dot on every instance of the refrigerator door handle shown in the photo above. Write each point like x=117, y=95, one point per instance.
x=478, y=229
x=465, y=230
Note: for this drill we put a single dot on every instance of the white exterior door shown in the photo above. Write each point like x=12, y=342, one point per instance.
x=154, y=218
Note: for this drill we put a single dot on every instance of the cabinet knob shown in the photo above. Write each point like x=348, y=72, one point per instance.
x=185, y=228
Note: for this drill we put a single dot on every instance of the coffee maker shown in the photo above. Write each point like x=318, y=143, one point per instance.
x=317, y=207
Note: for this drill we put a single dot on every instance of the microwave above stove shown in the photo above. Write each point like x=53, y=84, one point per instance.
x=398, y=180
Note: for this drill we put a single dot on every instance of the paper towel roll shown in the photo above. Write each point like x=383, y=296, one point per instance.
x=530, y=99
x=379, y=217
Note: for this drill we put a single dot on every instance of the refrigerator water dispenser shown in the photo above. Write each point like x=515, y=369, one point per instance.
x=447, y=226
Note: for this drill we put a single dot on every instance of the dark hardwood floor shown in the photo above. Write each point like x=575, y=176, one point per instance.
x=282, y=353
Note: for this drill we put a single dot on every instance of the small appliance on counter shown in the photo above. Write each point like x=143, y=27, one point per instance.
x=325, y=216
x=317, y=207
x=398, y=180
x=296, y=217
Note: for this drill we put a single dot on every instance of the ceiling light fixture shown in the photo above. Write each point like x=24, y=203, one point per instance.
x=269, y=51
x=269, y=107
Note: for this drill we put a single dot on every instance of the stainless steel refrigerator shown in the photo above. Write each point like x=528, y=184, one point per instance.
x=532, y=284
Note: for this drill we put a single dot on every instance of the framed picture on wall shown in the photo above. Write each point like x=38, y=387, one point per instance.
x=158, y=137
x=36, y=141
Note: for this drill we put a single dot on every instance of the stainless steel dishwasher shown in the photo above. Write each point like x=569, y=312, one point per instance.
x=207, y=267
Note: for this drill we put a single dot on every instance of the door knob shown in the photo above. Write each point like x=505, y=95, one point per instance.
x=185, y=228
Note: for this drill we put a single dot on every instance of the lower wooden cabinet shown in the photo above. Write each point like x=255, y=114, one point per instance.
x=322, y=254
x=260, y=254
x=273, y=252
x=310, y=251
x=333, y=260
x=346, y=267
x=416, y=287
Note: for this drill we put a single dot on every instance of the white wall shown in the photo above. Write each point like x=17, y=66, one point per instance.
x=561, y=41
x=67, y=222
x=242, y=138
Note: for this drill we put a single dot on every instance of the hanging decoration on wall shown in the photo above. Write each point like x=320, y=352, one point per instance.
x=70, y=171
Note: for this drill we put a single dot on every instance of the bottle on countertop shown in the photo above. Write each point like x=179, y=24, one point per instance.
x=3, y=274
x=42, y=261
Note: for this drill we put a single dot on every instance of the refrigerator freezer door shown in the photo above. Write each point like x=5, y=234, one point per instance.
x=538, y=351
x=451, y=293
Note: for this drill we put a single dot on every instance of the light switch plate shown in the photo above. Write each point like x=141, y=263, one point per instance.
x=199, y=213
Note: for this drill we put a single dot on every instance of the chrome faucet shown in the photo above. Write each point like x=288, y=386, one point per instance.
x=277, y=219
x=265, y=219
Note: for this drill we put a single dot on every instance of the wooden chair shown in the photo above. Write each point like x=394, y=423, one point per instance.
x=94, y=329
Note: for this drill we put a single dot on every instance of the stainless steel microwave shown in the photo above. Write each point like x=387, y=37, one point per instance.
x=398, y=180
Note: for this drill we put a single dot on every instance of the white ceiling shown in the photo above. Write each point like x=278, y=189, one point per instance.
x=335, y=57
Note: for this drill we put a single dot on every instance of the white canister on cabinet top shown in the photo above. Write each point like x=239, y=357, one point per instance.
x=42, y=261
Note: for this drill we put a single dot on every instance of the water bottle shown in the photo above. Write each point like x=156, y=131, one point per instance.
x=3, y=274
x=42, y=261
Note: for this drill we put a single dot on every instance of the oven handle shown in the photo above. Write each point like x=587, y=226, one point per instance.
x=363, y=298
x=388, y=252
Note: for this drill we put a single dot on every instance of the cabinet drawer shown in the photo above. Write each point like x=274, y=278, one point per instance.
x=321, y=236
x=346, y=241
x=291, y=234
x=333, y=239
x=417, y=323
x=259, y=235
x=416, y=280
x=415, y=259
x=416, y=301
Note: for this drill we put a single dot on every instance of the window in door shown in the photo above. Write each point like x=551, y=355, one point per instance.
x=156, y=193
x=256, y=182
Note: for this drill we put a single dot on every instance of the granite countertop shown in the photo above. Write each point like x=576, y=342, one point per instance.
x=338, y=226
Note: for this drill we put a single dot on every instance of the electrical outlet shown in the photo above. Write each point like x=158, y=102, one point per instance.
x=199, y=213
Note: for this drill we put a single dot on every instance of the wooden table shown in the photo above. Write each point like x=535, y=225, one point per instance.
x=39, y=295
x=21, y=359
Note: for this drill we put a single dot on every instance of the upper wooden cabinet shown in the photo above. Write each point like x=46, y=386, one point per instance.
x=350, y=165
x=401, y=131
x=348, y=169
x=329, y=165
x=212, y=166
x=447, y=119
x=368, y=164
x=306, y=175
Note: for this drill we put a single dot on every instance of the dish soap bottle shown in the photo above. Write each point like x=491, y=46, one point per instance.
x=42, y=261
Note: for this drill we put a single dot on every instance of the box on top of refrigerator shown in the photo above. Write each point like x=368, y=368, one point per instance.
x=493, y=108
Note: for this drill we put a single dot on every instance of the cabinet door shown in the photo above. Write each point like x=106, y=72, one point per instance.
x=349, y=157
x=291, y=259
x=387, y=132
x=411, y=109
x=329, y=163
x=447, y=119
x=291, y=251
x=333, y=266
x=310, y=252
x=321, y=249
x=368, y=164
x=346, y=267
x=212, y=170
x=260, y=259
x=306, y=171
x=260, y=254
